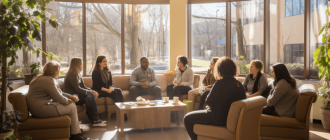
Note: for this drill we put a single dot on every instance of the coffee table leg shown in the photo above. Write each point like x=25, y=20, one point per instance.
x=118, y=119
x=122, y=123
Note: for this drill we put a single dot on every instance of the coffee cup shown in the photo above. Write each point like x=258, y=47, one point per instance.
x=166, y=99
x=175, y=99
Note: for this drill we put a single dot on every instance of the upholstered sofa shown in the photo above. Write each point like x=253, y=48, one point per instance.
x=57, y=128
x=272, y=127
x=243, y=122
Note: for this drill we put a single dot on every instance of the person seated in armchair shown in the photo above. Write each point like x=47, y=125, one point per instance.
x=183, y=82
x=143, y=81
x=283, y=97
x=256, y=82
x=224, y=92
x=45, y=99
x=208, y=82
x=74, y=85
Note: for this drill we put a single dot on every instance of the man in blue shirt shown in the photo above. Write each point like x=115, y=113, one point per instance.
x=144, y=81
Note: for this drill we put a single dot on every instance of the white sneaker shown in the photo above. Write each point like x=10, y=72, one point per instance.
x=102, y=124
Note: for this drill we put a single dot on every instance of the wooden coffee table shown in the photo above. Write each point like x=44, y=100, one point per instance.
x=148, y=116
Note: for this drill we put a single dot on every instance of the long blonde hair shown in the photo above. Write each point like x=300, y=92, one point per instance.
x=75, y=66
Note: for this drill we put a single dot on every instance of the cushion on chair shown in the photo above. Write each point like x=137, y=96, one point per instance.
x=100, y=101
x=126, y=95
x=88, y=81
x=81, y=108
x=169, y=78
x=285, y=122
x=121, y=82
x=18, y=99
x=213, y=131
x=46, y=123
x=161, y=82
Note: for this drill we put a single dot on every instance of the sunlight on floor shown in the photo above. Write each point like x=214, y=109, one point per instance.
x=321, y=134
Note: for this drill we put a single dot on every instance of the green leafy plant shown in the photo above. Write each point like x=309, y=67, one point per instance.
x=19, y=27
x=19, y=73
x=322, y=60
x=35, y=68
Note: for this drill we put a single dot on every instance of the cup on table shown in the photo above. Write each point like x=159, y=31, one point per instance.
x=166, y=99
x=175, y=99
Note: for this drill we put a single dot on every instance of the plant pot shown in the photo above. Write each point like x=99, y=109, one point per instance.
x=28, y=78
x=5, y=133
x=325, y=117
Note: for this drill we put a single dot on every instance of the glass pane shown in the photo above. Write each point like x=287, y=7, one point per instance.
x=288, y=8
x=287, y=37
x=66, y=41
x=21, y=66
x=318, y=19
x=147, y=34
x=247, y=39
x=208, y=34
x=103, y=35
x=296, y=7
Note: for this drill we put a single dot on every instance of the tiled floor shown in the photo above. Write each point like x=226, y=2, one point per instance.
x=174, y=132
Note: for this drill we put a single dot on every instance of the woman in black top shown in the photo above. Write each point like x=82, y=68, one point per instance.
x=224, y=92
x=74, y=85
x=102, y=80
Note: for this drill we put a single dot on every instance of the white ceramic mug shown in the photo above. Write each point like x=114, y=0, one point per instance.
x=175, y=99
x=166, y=99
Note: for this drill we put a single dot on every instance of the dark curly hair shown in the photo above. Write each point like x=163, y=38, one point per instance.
x=183, y=60
x=225, y=67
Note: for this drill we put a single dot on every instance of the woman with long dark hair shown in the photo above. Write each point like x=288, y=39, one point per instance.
x=74, y=85
x=283, y=97
x=102, y=80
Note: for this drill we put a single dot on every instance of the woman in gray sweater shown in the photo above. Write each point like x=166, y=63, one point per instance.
x=183, y=82
x=255, y=83
x=74, y=85
x=283, y=97
x=45, y=99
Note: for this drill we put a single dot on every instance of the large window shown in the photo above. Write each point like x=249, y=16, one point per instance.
x=287, y=35
x=294, y=7
x=103, y=35
x=208, y=31
x=317, y=21
x=66, y=41
x=247, y=38
x=147, y=34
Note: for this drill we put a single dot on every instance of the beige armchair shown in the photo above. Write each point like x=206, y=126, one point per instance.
x=243, y=122
x=273, y=127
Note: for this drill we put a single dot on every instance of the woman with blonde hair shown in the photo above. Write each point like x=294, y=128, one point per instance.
x=255, y=83
x=74, y=85
x=45, y=99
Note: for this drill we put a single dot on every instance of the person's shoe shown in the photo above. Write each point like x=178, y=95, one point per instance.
x=99, y=122
x=79, y=136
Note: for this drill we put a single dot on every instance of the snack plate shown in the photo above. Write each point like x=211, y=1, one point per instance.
x=142, y=103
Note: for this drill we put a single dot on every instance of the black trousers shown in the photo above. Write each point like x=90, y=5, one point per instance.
x=136, y=91
x=116, y=95
x=91, y=108
x=177, y=91
x=269, y=110
x=196, y=117
x=203, y=98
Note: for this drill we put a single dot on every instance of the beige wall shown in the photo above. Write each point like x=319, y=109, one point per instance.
x=178, y=30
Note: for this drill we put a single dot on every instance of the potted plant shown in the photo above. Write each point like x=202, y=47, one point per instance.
x=19, y=26
x=322, y=60
x=34, y=71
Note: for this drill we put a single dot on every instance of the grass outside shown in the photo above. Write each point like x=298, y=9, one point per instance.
x=200, y=63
